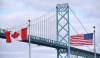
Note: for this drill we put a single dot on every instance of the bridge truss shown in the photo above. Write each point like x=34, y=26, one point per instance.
x=63, y=35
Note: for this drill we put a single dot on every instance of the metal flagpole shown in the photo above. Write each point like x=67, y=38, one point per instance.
x=94, y=44
x=29, y=40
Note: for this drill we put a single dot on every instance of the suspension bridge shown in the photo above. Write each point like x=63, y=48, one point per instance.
x=53, y=30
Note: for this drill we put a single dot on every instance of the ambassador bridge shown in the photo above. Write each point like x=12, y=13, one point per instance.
x=53, y=29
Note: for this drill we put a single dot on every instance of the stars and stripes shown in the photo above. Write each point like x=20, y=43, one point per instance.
x=82, y=39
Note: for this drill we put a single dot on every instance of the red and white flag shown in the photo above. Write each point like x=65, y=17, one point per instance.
x=81, y=39
x=22, y=34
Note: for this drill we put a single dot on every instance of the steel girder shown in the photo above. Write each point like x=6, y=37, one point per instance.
x=62, y=25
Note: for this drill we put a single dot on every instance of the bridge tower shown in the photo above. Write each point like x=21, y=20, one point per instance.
x=63, y=29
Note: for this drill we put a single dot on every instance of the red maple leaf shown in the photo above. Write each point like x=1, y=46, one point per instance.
x=15, y=35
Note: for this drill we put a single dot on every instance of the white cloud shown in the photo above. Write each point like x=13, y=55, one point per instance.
x=11, y=53
x=12, y=5
x=17, y=12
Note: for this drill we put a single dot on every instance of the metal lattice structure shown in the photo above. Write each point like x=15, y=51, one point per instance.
x=55, y=44
x=63, y=34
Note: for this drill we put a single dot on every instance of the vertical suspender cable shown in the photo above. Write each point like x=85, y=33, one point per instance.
x=80, y=23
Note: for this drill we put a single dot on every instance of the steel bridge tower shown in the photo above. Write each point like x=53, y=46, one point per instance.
x=63, y=29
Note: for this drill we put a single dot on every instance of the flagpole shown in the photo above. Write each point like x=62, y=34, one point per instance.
x=29, y=40
x=94, y=44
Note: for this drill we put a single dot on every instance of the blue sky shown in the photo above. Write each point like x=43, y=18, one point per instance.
x=17, y=12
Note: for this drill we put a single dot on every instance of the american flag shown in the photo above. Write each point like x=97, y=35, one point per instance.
x=81, y=39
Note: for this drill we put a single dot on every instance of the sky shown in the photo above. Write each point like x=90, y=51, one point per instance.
x=17, y=12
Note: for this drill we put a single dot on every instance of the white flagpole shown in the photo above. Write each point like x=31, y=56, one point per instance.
x=94, y=44
x=29, y=41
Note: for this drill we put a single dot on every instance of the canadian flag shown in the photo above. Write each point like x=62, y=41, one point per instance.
x=15, y=35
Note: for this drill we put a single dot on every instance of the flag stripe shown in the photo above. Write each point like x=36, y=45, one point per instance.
x=81, y=40
x=10, y=36
x=8, y=39
x=24, y=34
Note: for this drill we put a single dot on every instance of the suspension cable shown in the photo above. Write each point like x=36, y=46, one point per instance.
x=98, y=46
x=80, y=23
x=78, y=33
x=26, y=24
x=73, y=28
x=78, y=19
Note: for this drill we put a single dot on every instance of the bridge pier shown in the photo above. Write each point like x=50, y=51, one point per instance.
x=62, y=25
x=62, y=16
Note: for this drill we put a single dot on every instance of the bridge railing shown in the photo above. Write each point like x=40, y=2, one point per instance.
x=48, y=41
x=2, y=31
x=55, y=44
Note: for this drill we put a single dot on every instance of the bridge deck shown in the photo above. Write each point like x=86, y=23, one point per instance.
x=47, y=42
x=55, y=44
